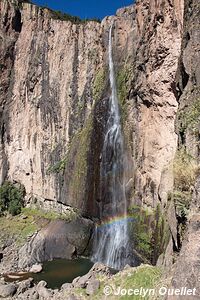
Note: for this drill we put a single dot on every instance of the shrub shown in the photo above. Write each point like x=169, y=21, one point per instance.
x=185, y=170
x=57, y=167
x=189, y=118
x=11, y=198
x=182, y=202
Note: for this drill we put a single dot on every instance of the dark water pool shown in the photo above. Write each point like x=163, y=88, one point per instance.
x=58, y=271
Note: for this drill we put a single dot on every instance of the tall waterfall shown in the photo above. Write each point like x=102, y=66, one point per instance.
x=111, y=235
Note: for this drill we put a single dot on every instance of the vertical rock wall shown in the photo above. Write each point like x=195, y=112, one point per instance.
x=54, y=101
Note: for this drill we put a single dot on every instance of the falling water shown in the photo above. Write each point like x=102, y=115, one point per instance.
x=111, y=236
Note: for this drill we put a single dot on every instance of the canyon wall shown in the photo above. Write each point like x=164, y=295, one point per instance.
x=54, y=98
x=186, y=271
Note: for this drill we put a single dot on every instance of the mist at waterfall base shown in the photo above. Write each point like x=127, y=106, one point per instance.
x=111, y=239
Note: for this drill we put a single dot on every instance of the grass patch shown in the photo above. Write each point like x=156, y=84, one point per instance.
x=185, y=170
x=190, y=117
x=17, y=228
x=50, y=215
x=145, y=276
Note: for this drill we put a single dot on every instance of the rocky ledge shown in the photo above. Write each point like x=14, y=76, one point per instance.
x=90, y=286
x=30, y=239
x=59, y=239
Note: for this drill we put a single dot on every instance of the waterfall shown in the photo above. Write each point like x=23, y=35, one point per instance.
x=111, y=235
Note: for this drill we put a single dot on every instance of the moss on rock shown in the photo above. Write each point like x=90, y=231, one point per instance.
x=76, y=163
x=123, y=85
x=149, y=231
x=99, y=84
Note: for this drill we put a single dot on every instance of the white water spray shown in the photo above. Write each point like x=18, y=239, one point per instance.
x=111, y=236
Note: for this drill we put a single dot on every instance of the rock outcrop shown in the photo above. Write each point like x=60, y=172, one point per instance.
x=59, y=239
x=186, y=270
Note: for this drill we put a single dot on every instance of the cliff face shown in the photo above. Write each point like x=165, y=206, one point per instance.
x=54, y=102
x=186, y=270
x=53, y=75
x=153, y=92
x=52, y=70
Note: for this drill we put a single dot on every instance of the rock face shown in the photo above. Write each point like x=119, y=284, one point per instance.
x=58, y=239
x=7, y=290
x=154, y=103
x=46, y=86
x=50, y=119
x=54, y=100
x=186, y=270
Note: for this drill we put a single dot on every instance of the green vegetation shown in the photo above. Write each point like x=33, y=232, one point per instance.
x=190, y=117
x=49, y=215
x=182, y=202
x=98, y=84
x=149, y=232
x=185, y=170
x=59, y=15
x=17, y=228
x=77, y=159
x=123, y=82
x=11, y=198
x=185, y=173
x=28, y=222
x=145, y=276
x=58, y=167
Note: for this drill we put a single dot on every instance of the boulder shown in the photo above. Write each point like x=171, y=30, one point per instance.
x=66, y=286
x=37, y=268
x=92, y=287
x=30, y=294
x=42, y=283
x=81, y=282
x=7, y=290
x=99, y=268
x=23, y=286
x=59, y=239
x=44, y=292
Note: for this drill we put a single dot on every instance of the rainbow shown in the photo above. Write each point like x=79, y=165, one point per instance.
x=114, y=220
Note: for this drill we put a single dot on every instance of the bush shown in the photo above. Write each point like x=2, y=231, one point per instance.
x=11, y=198
x=189, y=118
x=185, y=170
